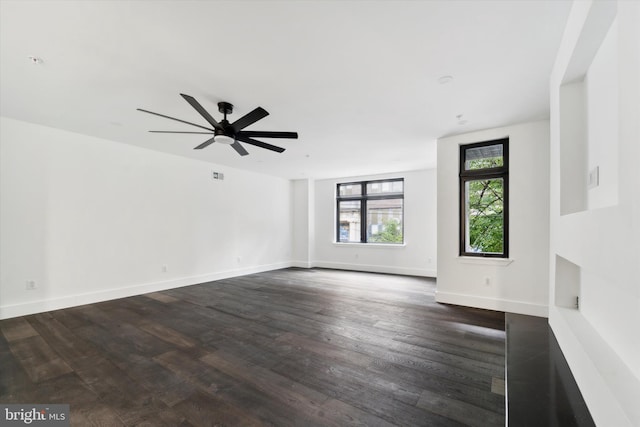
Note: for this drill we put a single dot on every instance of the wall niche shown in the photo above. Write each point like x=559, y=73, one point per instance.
x=567, y=287
x=588, y=117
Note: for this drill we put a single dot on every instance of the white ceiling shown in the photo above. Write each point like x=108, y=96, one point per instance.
x=358, y=80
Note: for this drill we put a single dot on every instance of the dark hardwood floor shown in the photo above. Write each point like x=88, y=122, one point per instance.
x=289, y=347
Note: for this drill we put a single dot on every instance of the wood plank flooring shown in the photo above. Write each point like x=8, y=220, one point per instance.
x=291, y=347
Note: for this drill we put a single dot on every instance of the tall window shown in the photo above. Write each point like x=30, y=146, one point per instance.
x=484, y=196
x=370, y=211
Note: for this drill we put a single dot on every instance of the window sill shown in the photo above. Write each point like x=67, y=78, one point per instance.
x=502, y=262
x=371, y=245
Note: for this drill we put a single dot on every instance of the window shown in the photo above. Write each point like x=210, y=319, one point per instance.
x=370, y=211
x=484, y=196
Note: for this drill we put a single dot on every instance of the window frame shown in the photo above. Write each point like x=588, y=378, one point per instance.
x=483, y=174
x=363, y=197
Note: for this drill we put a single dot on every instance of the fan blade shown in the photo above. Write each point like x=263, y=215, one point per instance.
x=205, y=144
x=267, y=134
x=177, y=131
x=259, y=143
x=192, y=101
x=249, y=118
x=173, y=118
x=239, y=148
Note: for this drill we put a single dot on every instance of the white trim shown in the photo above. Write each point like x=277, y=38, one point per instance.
x=501, y=262
x=33, y=307
x=302, y=264
x=370, y=245
x=498, y=304
x=389, y=269
x=607, y=383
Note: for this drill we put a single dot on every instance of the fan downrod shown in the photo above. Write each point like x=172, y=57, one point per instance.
x=225, y=108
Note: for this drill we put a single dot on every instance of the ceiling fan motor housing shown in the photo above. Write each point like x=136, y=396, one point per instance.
x=226, y=130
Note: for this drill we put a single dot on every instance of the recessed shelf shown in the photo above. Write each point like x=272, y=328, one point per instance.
x=567, y=283
x=587, y=116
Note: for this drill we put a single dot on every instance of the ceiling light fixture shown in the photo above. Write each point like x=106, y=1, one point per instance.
x=445, y=79
x=34, y=59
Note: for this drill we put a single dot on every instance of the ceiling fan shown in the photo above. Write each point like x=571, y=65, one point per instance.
x=229, y=133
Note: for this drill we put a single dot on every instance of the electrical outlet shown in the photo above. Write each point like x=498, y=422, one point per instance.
x=30, y=285
x=164, y=269
x=487, y=281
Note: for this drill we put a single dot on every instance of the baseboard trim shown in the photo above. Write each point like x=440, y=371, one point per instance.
x=608, y=384
x=389, y=269
x=302, y=264
x=508, y=306
x=41, y=306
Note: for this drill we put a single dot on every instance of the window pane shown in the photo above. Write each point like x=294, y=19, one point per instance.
x=384, y=221
x=490, y=156
x=349, y=220
x=350, y=189
x=485, y=216
x=385, y=187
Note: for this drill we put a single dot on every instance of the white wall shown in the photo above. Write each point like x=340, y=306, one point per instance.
x=303, y=223
x=600, y=86
x=518, y=284
x=89, y=220
x=416, y=257
x=598, y=244
x=573, y=155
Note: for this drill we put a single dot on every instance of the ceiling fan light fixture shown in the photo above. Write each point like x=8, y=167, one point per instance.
x=226, y=133
x=224, y=139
